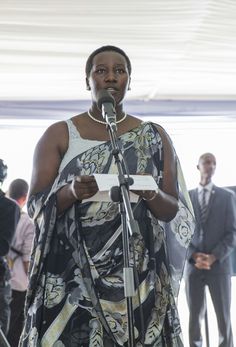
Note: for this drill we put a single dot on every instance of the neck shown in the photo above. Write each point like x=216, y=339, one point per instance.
x=204, y=181
x=21, y=202
x=106, y=120
x=96, y=112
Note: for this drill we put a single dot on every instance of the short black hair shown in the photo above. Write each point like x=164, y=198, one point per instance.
x=207, y=154
x=107, y=48
x=18, y=189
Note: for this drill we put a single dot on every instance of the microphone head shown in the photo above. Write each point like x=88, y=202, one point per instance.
x=104, y=96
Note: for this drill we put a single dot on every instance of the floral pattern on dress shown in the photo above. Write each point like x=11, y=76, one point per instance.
x=76, y=291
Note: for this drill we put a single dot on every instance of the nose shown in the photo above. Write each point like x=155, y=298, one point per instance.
x=110, y=76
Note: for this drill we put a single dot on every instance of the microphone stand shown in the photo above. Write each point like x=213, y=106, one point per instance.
x=129, y=226
x=3, y=340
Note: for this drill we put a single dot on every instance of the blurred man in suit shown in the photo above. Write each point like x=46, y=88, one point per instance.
x=208, y=260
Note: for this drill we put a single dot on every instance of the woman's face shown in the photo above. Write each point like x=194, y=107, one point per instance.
x=109, y=71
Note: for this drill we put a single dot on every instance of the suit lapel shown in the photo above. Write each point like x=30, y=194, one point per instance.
x=196, y=204
x=211, y=200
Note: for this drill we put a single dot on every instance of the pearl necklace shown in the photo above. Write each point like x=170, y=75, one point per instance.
x=105, y=123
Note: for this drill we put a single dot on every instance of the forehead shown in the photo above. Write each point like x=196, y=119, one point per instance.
x=109, y=57
x=208, y=159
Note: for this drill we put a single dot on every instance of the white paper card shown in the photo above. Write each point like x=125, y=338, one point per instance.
x=106, y=181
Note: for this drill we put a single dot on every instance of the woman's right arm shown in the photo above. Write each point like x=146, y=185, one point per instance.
x=46, y=162
x=48, y=155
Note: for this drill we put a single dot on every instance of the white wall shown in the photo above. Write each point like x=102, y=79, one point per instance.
x=191, y=136
x=18, y=139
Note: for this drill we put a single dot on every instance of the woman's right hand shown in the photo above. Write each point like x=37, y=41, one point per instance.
x=83, y=187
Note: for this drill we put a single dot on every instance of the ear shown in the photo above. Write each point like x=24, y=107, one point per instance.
x=87, y=84
x=129, y=84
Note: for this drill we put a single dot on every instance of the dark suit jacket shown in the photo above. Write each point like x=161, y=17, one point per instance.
x=9, y=217
x=218, y=235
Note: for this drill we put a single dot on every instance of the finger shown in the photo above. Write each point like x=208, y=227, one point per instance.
x=143, y=173
x=85, y=178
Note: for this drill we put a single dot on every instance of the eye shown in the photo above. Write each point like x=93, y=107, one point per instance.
x=120, y=70
x=100, y=71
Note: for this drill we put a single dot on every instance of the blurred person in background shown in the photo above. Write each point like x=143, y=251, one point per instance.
x=208, y=257
x=9, y=216
x=18, y=260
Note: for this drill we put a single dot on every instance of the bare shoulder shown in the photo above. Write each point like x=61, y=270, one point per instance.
x=134, y=120
x=48, y=155
x=131, y=122
x=58, y=128
x=56, y=135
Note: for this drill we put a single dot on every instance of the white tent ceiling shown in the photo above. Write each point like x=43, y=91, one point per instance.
x=183, y=54
x=180, y=49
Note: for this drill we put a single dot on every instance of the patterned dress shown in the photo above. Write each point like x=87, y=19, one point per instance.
x=76, y=293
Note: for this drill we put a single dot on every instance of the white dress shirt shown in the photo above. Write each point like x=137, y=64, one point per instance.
x=208, y=189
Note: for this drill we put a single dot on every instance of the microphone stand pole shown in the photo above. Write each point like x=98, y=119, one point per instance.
x=129, y=225
x=3, y=340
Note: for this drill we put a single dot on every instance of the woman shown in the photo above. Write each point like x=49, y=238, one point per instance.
x=76, y=293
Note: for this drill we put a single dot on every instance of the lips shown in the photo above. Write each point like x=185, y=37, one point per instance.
x=111, y=89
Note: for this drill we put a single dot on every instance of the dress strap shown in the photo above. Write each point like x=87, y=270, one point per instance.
x=73, y=131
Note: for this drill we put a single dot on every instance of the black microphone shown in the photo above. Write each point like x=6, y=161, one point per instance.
x=106, y=103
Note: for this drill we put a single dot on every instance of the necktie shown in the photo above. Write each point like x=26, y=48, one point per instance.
x=203, y=206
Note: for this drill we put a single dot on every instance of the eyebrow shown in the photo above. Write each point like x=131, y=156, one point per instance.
x=104, y=64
